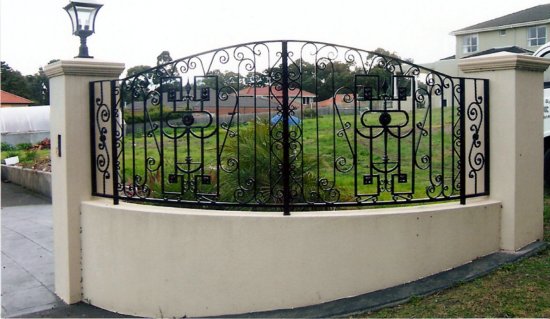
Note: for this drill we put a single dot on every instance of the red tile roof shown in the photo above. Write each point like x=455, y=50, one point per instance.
x=339, y=100
x=264, y=91
x=9, y=98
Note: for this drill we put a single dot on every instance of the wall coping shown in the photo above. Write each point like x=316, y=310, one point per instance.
x=504, y=62
x=84, y=67
x=152, y=209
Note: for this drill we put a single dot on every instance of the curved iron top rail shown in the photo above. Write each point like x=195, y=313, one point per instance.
x=289, y=125
x=253, y=43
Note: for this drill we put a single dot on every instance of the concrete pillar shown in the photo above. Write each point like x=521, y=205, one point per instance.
x=516, y=142
x=71, y=161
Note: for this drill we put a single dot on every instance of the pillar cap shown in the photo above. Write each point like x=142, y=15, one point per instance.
x=504, y=62
x=84, y=67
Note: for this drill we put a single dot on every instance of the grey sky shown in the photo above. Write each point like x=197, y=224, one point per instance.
x=33, y=32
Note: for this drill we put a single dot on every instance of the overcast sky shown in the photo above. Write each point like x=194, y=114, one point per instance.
x=33, y=32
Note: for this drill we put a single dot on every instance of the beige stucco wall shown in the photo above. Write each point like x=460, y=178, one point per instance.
x=516, y=120
x=71, y=181
x=157, y=261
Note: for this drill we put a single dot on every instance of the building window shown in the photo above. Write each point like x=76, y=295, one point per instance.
x=536, y=36
x=502, y=33
x=470, y=43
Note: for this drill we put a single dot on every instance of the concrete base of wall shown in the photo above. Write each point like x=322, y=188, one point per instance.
x=37, y=181
x=166, y=262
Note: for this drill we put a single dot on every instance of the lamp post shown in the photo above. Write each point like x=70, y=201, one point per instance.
x=83, y=14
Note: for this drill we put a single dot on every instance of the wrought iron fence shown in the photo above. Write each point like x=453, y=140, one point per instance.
x=289, y=125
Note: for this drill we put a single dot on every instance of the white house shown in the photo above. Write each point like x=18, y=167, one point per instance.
x=521, y=32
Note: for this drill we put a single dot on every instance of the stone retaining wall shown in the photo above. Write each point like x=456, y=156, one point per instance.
x=37, y=181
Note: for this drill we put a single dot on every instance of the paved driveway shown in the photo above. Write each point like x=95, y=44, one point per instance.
x=27, y=252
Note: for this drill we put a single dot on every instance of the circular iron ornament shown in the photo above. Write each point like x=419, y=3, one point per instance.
x=188, y=119
x=385, y=119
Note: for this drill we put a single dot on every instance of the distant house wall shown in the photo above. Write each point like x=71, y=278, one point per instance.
x=513, y=36
x=493, y=39
x=449, y=67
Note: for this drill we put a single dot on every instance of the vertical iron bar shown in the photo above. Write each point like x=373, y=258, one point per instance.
x=462, y=104
x=255, y=109
x=123, y=136
x=413, y=142
x=442, y=136
x=317, y=137
x=113, y=142
x=161, y=137
x=218, y=155
x=487, y=137
x=286, y=135
x=92, y=137
x=355, y=131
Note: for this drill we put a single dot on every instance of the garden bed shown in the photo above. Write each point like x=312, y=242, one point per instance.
x=33, y=167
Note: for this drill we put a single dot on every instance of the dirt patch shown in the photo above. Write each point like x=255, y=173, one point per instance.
x=43, y=165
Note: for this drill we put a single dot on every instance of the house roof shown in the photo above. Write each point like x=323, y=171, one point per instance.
x=264, y=91
x=339, y=99
x=9, y=98
x=510, y=49
x=452, y=57
x=530, y=16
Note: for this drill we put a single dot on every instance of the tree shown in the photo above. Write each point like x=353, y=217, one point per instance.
x=169, y=69
x=13, y=81
x=39, y=87
x=164, y=57
x=382, y=51
x=224, y=79
x=136, y=70
x=137, y=89
x=34, y=87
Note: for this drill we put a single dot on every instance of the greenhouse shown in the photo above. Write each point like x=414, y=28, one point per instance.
x=25, y=124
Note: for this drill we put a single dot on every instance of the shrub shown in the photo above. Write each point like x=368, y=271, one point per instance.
x=12, y=153
x=310, y=113
x=30, y=156
x=266, y=184
x=5, y=147
x=24, y=146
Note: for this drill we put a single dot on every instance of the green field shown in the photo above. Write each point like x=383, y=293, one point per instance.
x=249, y=157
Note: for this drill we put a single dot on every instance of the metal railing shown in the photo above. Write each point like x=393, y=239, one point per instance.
x=289, y=125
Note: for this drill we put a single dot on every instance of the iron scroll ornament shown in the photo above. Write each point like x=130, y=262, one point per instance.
x=291, y=125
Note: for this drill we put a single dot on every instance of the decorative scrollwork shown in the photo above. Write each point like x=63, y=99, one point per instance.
x=289, y=125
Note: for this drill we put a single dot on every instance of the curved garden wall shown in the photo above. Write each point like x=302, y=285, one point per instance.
x=167, y=262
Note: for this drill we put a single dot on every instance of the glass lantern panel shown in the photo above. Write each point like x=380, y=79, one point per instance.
x=72, y=14
x=86, y=17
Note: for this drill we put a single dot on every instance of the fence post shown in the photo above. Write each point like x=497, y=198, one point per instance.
x=516, y=146
x=71, y=156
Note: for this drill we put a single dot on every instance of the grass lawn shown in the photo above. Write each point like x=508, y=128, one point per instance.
x=325, y=156
x=521, y=289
